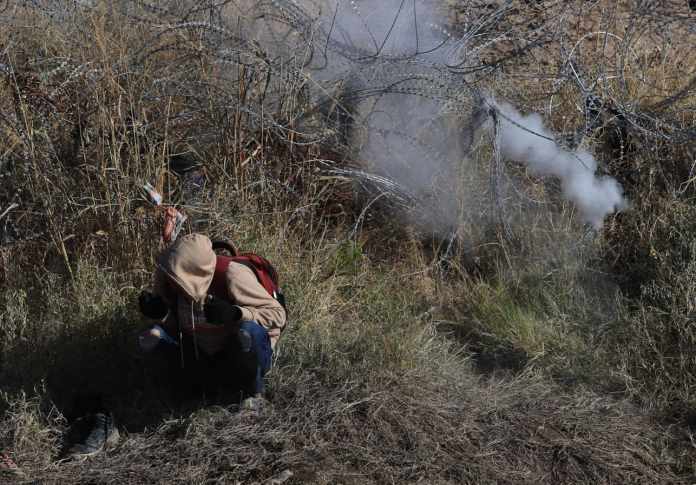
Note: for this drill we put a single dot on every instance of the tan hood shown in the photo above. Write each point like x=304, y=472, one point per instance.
x=190, y=264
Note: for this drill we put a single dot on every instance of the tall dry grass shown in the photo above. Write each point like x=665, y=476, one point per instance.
x=556, y=356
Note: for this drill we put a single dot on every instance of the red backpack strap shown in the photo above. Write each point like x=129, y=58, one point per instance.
x=218, y=286
x=263, y=270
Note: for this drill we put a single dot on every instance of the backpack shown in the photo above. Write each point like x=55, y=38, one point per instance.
x=262, y=268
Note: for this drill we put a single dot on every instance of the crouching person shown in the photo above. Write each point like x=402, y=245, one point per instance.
x=219, y=323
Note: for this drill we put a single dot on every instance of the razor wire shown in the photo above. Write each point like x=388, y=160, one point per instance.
x=303, y=50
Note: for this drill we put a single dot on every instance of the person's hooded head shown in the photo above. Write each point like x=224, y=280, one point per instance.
x=189, y=265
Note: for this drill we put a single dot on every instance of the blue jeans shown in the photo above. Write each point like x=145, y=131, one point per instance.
x=243, y=364
x=261, y=344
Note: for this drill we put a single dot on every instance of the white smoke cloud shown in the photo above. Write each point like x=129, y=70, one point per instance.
x=399, y=133
x=420, y=141
x=387, y=27
x=527, y=140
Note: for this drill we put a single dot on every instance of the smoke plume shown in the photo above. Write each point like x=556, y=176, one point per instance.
x=526, y=139
x=419, y=128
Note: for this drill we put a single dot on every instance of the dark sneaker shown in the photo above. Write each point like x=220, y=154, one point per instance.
x=91, y=434
x=254, y=405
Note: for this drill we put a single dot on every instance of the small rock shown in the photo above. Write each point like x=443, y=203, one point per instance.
x=282, y=477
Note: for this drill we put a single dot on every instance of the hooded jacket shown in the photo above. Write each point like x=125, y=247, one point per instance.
x=183, y=277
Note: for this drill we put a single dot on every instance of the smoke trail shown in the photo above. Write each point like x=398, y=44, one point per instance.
x=596, y=197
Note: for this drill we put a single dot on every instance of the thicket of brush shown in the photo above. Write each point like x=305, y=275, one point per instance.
x=554, y=355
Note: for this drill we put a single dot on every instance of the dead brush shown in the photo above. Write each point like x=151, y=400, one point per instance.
x=368, y=385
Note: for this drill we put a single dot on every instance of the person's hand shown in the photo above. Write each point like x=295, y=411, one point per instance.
x=154, y=336
x=149, y=339
x=220, y=312
x=152, y=306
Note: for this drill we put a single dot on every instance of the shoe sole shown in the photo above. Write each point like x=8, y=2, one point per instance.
x=111, y=441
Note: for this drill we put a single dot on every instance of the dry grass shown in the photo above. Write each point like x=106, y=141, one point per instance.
x=554, y=356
